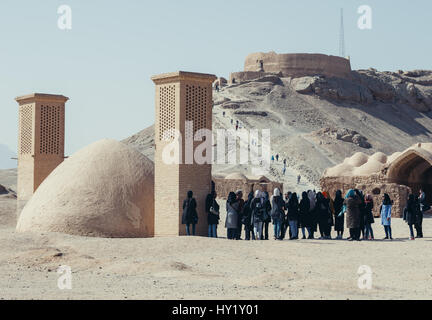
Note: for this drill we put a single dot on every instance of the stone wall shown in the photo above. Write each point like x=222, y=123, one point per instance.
x=242, y=76
x=298, y=64
x=376, y=185
x=225, y=186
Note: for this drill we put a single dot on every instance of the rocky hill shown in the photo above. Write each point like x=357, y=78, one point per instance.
x=316, y=122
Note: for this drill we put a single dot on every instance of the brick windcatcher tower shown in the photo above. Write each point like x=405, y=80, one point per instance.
x=40, y=141
x=180, y=97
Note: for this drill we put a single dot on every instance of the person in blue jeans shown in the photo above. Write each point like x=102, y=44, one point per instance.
x=277, y=212
x=386, y=216
x=293, y=216
x=212, y=209
x=190, y=215
x=188, y=231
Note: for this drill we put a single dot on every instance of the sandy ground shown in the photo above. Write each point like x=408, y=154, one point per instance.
x=202, y=268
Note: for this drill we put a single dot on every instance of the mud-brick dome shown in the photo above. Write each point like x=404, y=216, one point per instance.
x=103, y=190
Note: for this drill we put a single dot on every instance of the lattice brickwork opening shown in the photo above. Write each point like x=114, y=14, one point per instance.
x=50, y=129
x=167, y=101
x=196, y=107
x=26, y=128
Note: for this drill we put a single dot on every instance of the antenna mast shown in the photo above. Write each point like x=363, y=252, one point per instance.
x=342, y=36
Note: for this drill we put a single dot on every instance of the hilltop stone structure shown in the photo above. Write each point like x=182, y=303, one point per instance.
x=397, y=175
x=40, y=141
x=294, y=65
x=181, y=97
x=238, y=181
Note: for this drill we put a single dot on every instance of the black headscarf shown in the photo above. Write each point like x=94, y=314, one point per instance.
x=231, y=197
x=386, y=200
x=411, y=198
x=293, y=199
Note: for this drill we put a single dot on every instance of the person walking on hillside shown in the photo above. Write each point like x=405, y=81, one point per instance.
x=352, y=213
x=190, y=215
x=247, y=218
x=232, y=209
x=239, y=195
x=258, y=209
x=339, y=218
x=272, y=158
x=386, y=213
x=298, y=179
x=369, y=218
x=411, y=213
x=293, y=216
x=212, y=209
x=277, y=157
x=304, y=215
x=277, y=212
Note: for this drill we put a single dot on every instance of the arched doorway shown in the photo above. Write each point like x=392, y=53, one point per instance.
x=413, y=169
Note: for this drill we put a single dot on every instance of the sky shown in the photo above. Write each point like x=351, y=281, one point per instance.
x=104, y=63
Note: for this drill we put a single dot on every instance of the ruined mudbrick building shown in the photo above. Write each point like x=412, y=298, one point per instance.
x=238, y=181
x=397, y=175
x=292, y=65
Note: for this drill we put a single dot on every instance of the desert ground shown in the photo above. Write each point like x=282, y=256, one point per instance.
x=203, y=268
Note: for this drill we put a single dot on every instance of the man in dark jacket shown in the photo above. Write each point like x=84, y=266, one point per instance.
x=190, y=215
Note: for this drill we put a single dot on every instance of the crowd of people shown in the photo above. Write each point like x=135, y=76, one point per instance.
x=314, y=212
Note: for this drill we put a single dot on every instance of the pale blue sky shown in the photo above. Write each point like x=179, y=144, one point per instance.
x=105, y=62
